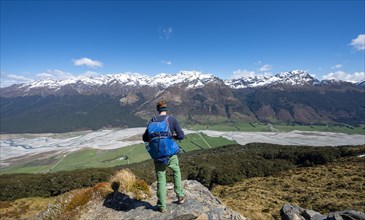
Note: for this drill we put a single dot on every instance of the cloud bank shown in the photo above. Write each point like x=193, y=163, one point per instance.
x=242, y=73
x=266, y=67
x=359, y=42
x=55, y=75
x=167, y=62
x=337, y=66
x=10, y=79
x=341, y=75
x=166, y=33
x=88, y=62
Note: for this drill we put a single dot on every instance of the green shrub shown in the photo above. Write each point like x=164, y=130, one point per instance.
x=223, y=165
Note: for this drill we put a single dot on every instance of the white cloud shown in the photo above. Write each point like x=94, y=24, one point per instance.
x=258, y=62
x=337, y=66
x=87, y=62
x=90, y=73
x=166, y=62
x=359, y=42
x=341, y=75
x=18, y=78
x=266, y=67
x=167, y=33
x=55, y=75
x=10, y=79
x=242, y=73
x=237, y=74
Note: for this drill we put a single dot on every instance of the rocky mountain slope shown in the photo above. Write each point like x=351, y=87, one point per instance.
x=336, y=186
x=128, y=100
x=289, y=212
x=199, y=204
x=124, y=196
x=325, y=188
x=119, y=84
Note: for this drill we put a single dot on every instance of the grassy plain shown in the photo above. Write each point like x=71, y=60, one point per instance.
x=91, y=157
x=332, y=187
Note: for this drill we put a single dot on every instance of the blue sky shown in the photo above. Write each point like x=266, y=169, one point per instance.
x=61, y=39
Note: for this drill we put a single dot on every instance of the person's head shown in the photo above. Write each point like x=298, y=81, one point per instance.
x=161, y=106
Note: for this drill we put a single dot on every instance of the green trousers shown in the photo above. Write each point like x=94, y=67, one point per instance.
x=160, y=169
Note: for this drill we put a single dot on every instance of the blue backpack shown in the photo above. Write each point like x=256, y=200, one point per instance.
x=161, y=143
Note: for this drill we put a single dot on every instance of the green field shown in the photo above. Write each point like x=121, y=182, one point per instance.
x=232, y=126
x=90, y=157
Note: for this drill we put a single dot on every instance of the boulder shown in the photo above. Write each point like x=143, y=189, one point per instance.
x=200, y=204
x=289, y=212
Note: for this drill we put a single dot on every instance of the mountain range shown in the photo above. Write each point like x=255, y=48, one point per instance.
x=119, y=84
x=129, y=99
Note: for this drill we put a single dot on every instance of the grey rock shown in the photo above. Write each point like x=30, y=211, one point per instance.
x=308, y=214
x=200, y=204
x=318, y=217
x=347, y=215
x=289, y=212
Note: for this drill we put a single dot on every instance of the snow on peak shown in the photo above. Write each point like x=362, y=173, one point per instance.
x=295, y=77
x=188, y=79
x=194, y=79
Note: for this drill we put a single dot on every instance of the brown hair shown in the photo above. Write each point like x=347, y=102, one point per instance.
x=161, y=105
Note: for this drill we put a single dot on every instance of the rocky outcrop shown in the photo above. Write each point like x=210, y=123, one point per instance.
x=200, y=203
x=289, y=212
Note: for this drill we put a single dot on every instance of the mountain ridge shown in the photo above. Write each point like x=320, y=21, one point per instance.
x=122, y=83
x=128, y=100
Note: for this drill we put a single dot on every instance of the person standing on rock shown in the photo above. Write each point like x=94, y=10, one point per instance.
x=160, y=132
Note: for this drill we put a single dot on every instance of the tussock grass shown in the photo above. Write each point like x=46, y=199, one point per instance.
x=71, y=204
x=124, y=178
x=25, y=208
x=126, y=182
x=332, y=187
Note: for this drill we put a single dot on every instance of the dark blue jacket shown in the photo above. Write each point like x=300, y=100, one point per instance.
x=174, y=128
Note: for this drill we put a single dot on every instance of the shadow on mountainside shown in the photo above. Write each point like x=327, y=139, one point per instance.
x=122, y=202
x=200, y=203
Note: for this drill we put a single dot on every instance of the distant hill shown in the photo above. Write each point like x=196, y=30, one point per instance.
x=128, y=100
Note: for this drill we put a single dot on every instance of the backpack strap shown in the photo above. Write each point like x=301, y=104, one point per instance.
x=168, y=124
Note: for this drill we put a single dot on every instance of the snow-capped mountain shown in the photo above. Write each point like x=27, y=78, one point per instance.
x=122, y=83
x=293, y=78
x=128, y=99
x=361, y=84
x=115, y=84
x=193, y=78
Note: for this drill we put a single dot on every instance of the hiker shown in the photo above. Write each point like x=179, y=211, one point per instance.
x=163, y=149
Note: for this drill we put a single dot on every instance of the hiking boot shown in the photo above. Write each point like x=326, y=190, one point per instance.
x=180, y=200
x=162, y=210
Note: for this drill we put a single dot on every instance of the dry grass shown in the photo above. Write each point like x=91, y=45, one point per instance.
x=102, y=189
x=332, y=187
x=79, y=199
x=25, y=208
x=125, y=179
x=71, y=204
x=126, y=182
